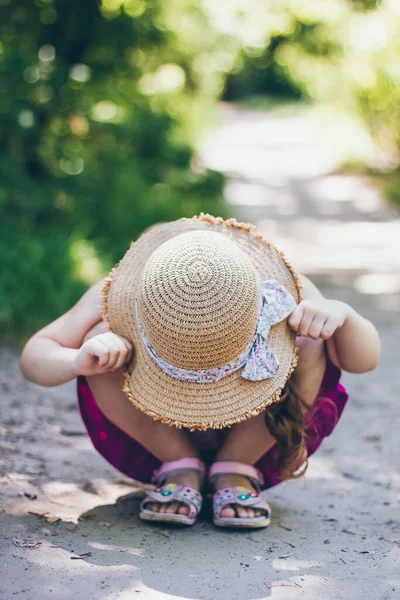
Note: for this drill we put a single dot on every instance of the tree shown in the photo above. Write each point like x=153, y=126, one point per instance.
x=95, y=141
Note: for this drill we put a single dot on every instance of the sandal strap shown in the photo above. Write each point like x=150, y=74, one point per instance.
x=176, y=493
x=226, y=467
x=239, y=496
x=189, y=464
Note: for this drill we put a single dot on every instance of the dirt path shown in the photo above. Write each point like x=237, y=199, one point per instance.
x=333, y=536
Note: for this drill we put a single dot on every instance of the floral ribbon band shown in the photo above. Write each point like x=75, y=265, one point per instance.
x=258, y=360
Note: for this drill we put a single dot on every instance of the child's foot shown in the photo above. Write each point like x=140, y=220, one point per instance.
x=189, y=478
x=234, y=510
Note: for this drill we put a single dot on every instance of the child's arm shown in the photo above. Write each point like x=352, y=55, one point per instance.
x=63, y=350
x=353, y=343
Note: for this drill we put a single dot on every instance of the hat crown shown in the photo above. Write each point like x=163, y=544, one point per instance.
x=198, y=300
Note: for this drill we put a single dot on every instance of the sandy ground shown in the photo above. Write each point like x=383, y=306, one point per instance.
x=69, y=522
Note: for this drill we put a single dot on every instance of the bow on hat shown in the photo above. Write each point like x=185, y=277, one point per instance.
x=277, y=305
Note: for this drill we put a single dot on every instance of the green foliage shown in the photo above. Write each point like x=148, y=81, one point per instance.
x=342, y=54
x=98, y=109
x=264, y=71
x=391, y=186
x=101, y=103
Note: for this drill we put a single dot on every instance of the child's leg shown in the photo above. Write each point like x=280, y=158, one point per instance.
x=247, y=442
x=165, y=442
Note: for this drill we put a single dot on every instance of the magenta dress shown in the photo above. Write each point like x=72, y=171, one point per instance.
x=133, y=460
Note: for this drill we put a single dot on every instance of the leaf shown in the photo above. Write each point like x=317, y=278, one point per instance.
x=30, y=496
x=284, y=527
x=80, y=556
x=53, y=519
x=26, y=544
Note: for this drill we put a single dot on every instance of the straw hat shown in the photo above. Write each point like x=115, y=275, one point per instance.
x=204, y=302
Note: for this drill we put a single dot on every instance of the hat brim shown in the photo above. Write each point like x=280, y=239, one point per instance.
x=202, y=406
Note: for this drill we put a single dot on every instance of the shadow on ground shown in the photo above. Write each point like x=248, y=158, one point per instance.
x=324, y=538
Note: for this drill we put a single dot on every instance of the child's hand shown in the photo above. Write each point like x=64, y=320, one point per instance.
x=102, y=353
x=318, y=319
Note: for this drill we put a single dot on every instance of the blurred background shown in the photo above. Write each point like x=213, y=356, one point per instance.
x=118, y=114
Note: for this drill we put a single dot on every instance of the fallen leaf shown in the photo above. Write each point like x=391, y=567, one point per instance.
x=348, y=531
x=351, y=476
x=286, y=555
x=26, y=544
x=285, y=527
x=160, y=532
x=30, y=496
x=80, y=556
x=374, y=437
x=72, y=433
x=53, y=519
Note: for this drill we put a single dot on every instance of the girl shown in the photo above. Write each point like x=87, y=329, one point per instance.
x=200, y=357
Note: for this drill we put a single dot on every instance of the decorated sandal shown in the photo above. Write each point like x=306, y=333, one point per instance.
x=248, y=498
x=173, y=492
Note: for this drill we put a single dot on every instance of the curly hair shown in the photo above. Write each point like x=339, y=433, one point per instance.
x=286, y=422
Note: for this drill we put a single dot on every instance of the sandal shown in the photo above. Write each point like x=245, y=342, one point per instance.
x=248, y=498
x=173, y=492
